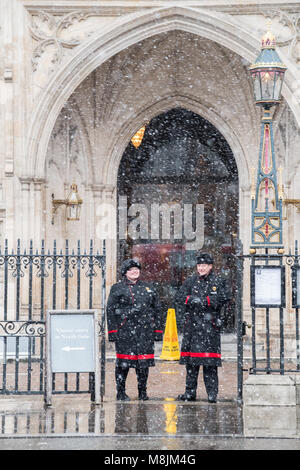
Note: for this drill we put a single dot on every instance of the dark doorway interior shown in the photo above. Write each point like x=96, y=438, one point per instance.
x=183, y=160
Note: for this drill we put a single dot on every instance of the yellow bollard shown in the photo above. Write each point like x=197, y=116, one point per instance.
x=170, y=349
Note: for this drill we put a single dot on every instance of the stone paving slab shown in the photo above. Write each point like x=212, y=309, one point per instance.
x=73, y=422
x=167, y=380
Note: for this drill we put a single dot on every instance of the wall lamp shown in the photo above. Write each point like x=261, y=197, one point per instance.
x=294, y=202
x=72, y=203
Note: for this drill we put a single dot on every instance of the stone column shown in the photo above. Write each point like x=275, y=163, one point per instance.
x=23, y=227
x=2, y=219
x=88, y=216
x=111, y=248
x=8, y=88
x=97, y=190
x=38, y=218
x=105, y=226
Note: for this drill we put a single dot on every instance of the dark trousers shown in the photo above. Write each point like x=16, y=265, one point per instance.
x=121, y=376
x=210, y=377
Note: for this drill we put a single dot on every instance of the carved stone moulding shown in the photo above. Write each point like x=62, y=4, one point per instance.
x=47, y=29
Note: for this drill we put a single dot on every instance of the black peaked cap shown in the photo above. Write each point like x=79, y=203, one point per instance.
x=130, y=263
x=204, y=258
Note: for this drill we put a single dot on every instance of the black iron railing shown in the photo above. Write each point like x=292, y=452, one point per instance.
x=32, y=282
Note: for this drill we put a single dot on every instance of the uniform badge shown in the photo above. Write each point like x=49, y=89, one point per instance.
x=214, y=288
x=148, y=289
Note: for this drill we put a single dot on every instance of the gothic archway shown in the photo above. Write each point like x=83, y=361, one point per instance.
x=178, y=193
x=123, y=33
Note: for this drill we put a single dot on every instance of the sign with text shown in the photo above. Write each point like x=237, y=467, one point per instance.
x=267, y=286
x=72, y=344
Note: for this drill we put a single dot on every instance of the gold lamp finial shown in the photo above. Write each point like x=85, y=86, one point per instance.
x=268, y=40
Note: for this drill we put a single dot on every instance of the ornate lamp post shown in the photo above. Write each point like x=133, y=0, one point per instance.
x=266, y=222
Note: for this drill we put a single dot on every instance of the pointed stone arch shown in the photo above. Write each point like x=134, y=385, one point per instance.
x=123, y=33
x=187, y=102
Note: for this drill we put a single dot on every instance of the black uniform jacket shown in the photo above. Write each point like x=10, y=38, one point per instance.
x=201, y=342
x=134, y=318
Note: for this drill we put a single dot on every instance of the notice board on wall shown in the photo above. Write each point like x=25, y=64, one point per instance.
x=267, y=286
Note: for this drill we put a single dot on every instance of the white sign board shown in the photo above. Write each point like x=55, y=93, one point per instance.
x=72, y=345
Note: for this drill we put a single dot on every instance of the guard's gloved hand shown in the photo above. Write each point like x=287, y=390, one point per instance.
x=158, y=336
x=195, y=301
x=112, y=337
x=136, y=310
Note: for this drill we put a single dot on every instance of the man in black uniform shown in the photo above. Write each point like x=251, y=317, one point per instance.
x=203, y=295
x=134, y=318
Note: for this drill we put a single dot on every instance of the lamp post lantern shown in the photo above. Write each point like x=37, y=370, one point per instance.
x=72, y=203
x=266, y=221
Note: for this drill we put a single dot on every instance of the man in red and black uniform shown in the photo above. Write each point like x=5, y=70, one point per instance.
x=203, y=295
x=134, y=318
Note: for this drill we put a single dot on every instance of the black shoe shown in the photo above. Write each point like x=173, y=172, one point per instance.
x=186, y=397
x=143, y=395
x=121, y=396
x=212, y=399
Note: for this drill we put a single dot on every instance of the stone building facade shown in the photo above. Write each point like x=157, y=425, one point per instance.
x=79, y=78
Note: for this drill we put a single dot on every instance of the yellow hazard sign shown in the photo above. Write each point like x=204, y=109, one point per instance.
x=170, y=349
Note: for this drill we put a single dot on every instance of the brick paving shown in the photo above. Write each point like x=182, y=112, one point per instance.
x=167, y=380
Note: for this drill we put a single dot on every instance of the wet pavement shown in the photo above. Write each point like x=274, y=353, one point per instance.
x=73, y=423
x=159, y=424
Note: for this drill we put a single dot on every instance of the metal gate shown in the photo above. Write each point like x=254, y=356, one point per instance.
x=274, y=343
x=31, y=283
